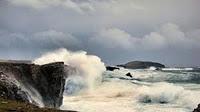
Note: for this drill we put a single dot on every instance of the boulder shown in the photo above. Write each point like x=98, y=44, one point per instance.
x=129, y=75
x=197, y=109
x=110, y=68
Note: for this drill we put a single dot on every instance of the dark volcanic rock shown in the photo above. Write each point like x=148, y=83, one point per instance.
x=10, y=90
x=197, y=109
x=110, y=68
x=141, y=65
x=129, y=75
x=47, y=80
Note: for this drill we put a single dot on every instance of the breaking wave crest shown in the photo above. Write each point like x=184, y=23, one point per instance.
x=86, y=69
x=89, y=88
x=167, y=93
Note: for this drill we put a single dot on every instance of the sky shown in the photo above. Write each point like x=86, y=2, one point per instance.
x=118, y=31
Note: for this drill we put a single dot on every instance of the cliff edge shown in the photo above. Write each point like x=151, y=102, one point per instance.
x=42, y=85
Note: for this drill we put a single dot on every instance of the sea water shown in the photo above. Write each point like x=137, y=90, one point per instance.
x=147, y=91
x=90, y=88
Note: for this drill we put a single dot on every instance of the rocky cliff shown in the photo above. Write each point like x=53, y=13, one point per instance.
x=141, y=65
x=29, y=82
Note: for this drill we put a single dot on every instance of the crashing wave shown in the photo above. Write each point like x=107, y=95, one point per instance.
x=177, y=69
x=167, y=93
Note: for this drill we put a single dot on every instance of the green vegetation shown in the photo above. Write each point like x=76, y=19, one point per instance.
x=14, y=106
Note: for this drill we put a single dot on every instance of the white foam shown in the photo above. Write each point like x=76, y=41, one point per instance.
x=177, y=69
x=116, y=94
x=152, y=68
x=169, y=94
x=88, y=67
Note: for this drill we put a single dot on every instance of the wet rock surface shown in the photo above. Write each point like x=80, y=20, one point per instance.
x=10, y=90
x=111, y=68
x=48, y=80
x=197, y=109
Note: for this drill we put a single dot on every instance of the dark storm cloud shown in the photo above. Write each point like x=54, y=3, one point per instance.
x=35, y=42
x=116, y=30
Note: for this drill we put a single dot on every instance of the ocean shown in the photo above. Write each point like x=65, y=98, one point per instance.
x=170, y=90
x=90, y=88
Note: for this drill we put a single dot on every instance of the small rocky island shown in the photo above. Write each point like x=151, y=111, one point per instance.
x=141, y=65
x=25, y=84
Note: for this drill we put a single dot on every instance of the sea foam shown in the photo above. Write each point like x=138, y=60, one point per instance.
x=87, y=70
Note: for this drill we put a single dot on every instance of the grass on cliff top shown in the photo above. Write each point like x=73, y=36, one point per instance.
x=14, y=106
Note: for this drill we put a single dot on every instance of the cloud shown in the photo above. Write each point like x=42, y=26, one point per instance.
x=195, y=34
x=153, y=41
x=55, y=38
x=80, y=16
x=113, y=38
x=168, y=35
x=175, y=37
x=68, y=4
x=82, y=6
x=49, y=39
x=146, y=29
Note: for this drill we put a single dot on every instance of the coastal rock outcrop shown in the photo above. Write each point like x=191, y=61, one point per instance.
x=197, y=109
x=19, y=81
x=129, y=75
x=10, y=90
x=141, y=65
x=111, y=68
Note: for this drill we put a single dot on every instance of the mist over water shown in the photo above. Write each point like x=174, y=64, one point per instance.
x=89, y=88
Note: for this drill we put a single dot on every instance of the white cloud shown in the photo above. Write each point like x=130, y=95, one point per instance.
x=90, y=15
x=115, y=7
x=42, y=4
x=175, y=37
x=168, y=35
x=153, y=41
x=113, y=38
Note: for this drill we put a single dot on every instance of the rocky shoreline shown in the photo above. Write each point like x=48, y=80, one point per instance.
x=41, y=85
x=23, y=86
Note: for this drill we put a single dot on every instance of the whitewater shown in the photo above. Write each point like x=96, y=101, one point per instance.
x=90, y=88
